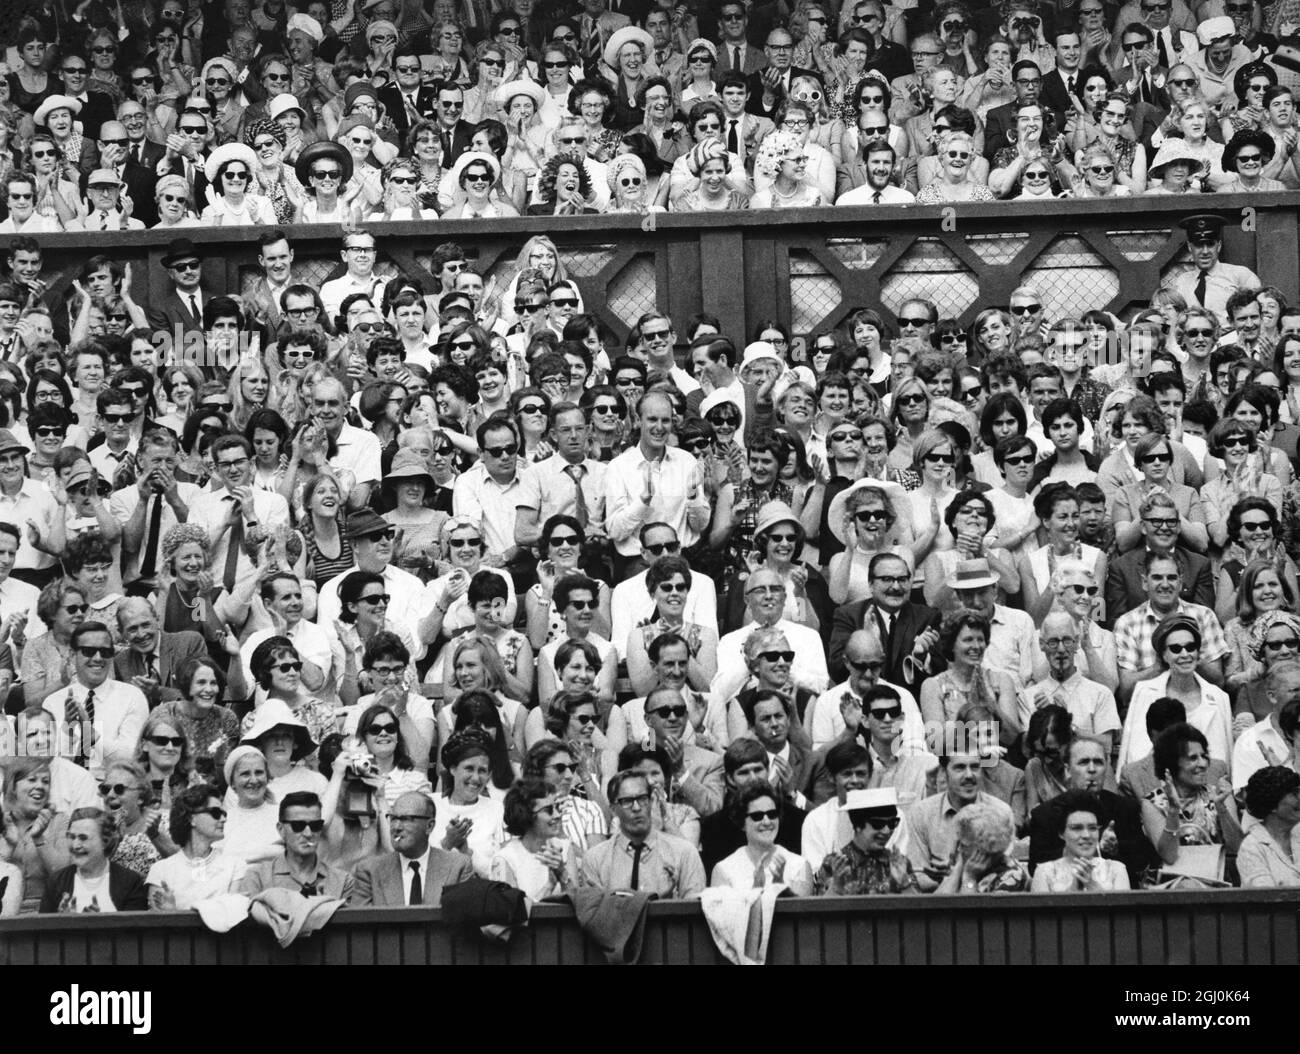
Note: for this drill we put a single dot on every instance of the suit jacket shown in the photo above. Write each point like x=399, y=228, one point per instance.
x=174, y=651
x=262, y=305
x=140, y=181
x=97, y=109
x=852, y=174
x=394, y=103
x=755, y=84
x=1124, y=582
x=196, y=178
x=911, y=620
x=1054, y=93
x=750, y=132
x=752, y=60
x=125, y=887
x=1134, y=850
x=461, y=135
x=379, y=880
x=633, y=10
x=170, y=311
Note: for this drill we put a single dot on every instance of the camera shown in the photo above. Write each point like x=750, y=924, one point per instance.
x=359, y=796
x=1027, y=22
x=362, y=766
x=954, y=25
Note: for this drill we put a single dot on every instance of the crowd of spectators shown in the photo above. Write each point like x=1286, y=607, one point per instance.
x=365, y=587
x=163, y=113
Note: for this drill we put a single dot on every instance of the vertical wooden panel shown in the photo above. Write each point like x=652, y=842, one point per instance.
x=1178, y=937
x=1152, y=943
x=889, y=944
x=1205, y=938
x=993, y=938
x=1072, y=940
x=1097, y=929
x=968, y=943
x=1286, y=940
x=1124, y=942
x=1259, y=939
x=1232, y=937
x=939, y=937
x=724, y=274
x=836, y=949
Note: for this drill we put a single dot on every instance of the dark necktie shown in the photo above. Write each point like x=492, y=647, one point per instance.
x=1161, y=50
x=733, y=140
x=194, y=308
x=1069, y=86
x=737, y=63
x=232, y=550
x=417, y=891
x=151, y=538
x=136, y=152
x=637, y=850
x=875, y=198
x=575, y=473
x=592, y=47
x=446, y=146
x=886, y=624
x=74, y=722
x=1199, y=292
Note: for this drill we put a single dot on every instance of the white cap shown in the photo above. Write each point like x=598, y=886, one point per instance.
x=876, y=798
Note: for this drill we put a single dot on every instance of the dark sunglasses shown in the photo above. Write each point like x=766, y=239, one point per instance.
x=776, y=656
x=759, y=815
x=675, y=710
x=167, y=741
x=105, y=789
x=509, y=450
x=89, y=651
x=890, y=714
x=382, y=730
x=663, y=547
x=287, y=667
x=460, y=543
x=298, y=826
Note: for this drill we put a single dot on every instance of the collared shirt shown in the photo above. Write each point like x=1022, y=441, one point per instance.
x=632, y=604
x=866, y=195
x=359, y=454
x=1262, y=863
x=1011, y=645
x=1221, y=281
x=335, y=291
x=673, y=477
x=549, y=488
x=1092, y=707
x=933, y=825
x=18, y=597
x=312, y=643
x=123, y=504
x=477, y=495
x=109, y=462
x=408, y=876
x=120, y=713
x=275, y=874
x=911, y=774
x=1259, y=747
x=403, y=588
x=807, y=671
x=887, y=871
x=212, y=509
x=32, y=502
x=826, y=722
x=1134, y=629
x=670, y=867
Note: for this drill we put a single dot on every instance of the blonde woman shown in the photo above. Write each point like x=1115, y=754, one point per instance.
x=781, y=159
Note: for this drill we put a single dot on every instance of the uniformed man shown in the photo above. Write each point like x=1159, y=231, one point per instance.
x=1212, y=282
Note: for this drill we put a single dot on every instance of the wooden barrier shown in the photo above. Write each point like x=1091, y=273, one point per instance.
x=1222, y=927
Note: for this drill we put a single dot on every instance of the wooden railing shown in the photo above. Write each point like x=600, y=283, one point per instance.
x=1228, y=927
x=805, y=267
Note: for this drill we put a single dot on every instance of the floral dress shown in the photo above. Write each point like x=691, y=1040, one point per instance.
x=137, y=853
x=877, y=872
x=741, y=542
x=1198, y=819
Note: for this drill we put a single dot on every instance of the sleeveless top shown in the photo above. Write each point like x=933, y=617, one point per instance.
x=323, y=567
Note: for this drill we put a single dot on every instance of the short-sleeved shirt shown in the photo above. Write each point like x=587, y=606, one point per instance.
x=1134, y=629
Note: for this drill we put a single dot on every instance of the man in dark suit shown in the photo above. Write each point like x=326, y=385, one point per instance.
x=1125, y=588
x=111, y=148
x=96, y=106
x=276, y=257
x=179, y=310
x=139, y=148
x=453, y=133
x=769, y=87
x=1062, y=87
x=735, y=52
x=152, y=658
x=1122, y=838
x=745, y=763
x=789, y=766
x=416, y=873
x=1002, y=119
x=187, y=150
x=907, y=630
x=408, y=101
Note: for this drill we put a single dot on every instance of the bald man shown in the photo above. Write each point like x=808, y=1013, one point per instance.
x=1091, y=705
x=415, y=873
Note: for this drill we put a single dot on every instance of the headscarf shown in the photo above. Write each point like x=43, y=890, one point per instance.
x=263, y=126
x=1265, y=622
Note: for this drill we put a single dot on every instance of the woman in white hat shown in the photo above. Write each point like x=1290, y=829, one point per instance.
x=216, y=83
x=57, y=116
x=476, y=174
x=1172, y=169
x=519, y=104
x=701, y=63
x=629, y=53
x=230, y=171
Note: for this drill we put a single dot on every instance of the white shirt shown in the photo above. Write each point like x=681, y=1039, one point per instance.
x=123, y=504
x=1213, y=717
x=211, y=509
x=358, y=453
x=335, y=291
x=1248, y=755
x=631, y=604
x=408, y=875
x=1012, y=645
x=865, y=195
x=1091, y=705
x=402, y=587
x=457, y=615
x=17, y=597
x=808, y=669
x=673, y=478
x=479, y=496
x=32, y=502
x=548, y=488
x=107, y=462
x=312, y=643
x=120, y=713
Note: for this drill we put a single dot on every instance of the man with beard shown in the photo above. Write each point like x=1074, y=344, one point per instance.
x=879, y=158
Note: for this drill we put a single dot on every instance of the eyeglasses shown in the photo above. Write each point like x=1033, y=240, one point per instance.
x=1101, y=170
x=326, y=173
x=291, y=666
x=195, y=129
x=90, y=652
x=674, y=587
x=562, y=768
x=555, y=65
x=104, y=49
x=871, y=516
x=408, y=68
x=968, y=394
x=509, y=450
x=1080, y=590
x=1165, y=522
x=959, y=155
x=627, y=382
x=759, y=815
x=1155, y=459
x=922, y=321
x=1288, y=642
x=633, y=801
x=845, y=437
x=1025, y=309
x=1185, y=82
x=166, y=741
x=48, y=431
x=669, y=710
x=567, y=301
x=478, y=177
x=118, y=789
x=1249, y=159
x=298, y=826
x=1019, y=459
x=604, y=408
x=382, y=730
x=1179, y=649
x=215, y=811
x=241, y=176
x=776, y=656
x=1037, y=175
x=941, y=459
x=582, y=605
x=663, y=547
x=461, y=543
x=238, y=463
x=1256, y=525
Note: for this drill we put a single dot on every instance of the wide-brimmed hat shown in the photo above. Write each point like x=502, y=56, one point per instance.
x=894, y=494
x=772, y=513
x=972, y=574
x=407, y=464
x=56, y=102
x=320, y=151
x=627, y=35
x=1172, y=150
x=510, y=89
x=719, y=397
x=470, y=156
x=273, y=714
x=8, y=442
x=229, y=152
x=875, y=798
x=365, y=523
x=180, y=249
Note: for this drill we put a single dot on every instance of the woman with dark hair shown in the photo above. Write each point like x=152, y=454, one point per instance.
x=593, y=100
x=756, y=810
x=1081, y=868
x=32, y=831
x=1184, y=810
x=584, y=812
x=1141, y=417
x=607, y=419
x=963, y=640
x=537, y=860
x=560, y=550
x=379, y=736
x=1047, y=742
x=268, y=432
x=276, y=667
x=91, y=883
x=1177, y=645
x=470, y=820
x=163, y=754
x=200, y=870
x=675, y=818
x=1154, y=456
x=1259, y=589
x=1245, y=478
x=210, y=729
x=1265, y=858
x=1258, y=407
x=564, y=187
x=739, y=504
